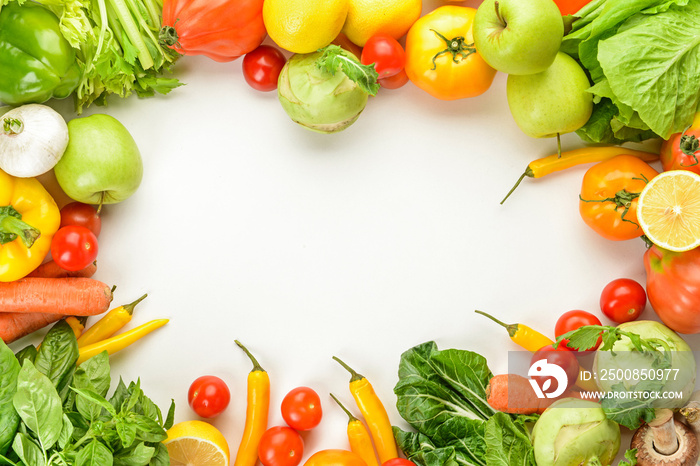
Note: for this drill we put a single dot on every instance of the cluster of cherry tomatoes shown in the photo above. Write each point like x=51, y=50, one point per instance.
x=74, y=245
x=622, y=300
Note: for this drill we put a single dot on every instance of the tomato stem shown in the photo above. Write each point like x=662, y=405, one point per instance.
x=168, y=36
x=623, y=199
x=455, y=46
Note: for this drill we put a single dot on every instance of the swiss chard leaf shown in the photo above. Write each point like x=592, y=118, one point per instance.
x=507, y=444
x=421, y=450
x=9, y=419
x=38, y=405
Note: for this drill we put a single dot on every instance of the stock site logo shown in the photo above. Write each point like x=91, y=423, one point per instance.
x=544, y=371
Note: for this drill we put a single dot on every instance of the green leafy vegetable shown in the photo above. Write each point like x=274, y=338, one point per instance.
x=442, y=395
x=644, y=59
x=83, y=427
x=334, y=59
x=117, y=47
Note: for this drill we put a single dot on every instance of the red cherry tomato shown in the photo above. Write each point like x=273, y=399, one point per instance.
x=280, y=446
x=74, y=247
x=84, y=215
x=398, y=462
x=394, y=82
x=386, y=53
x=208, y=396
x=301, y=409
x=623, y=300
x=574, y=320
x=562, y=357
x=262, y=67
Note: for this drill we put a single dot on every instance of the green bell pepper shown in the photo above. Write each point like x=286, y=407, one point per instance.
x=37, y=62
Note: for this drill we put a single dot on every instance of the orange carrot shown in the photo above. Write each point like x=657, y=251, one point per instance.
x=66, y=296
x=512, y=393
x=15, y=325
x=51, y=269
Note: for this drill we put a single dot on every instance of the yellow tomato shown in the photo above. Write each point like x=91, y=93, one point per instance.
x=441, y=58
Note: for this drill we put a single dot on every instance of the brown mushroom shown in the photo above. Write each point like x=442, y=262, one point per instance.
x=691, y=413
x=665, y=442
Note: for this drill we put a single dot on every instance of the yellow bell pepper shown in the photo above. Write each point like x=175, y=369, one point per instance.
x=29, y=217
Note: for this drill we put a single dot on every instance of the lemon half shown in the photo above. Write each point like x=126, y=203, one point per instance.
x=668, y=210
x=196, y=443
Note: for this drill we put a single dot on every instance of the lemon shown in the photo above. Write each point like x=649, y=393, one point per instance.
x=196, y=443
x=668, y=210
x=369, y=17
x=304, y=26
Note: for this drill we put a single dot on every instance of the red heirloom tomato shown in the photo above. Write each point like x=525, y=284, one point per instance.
x=441, y=58
x=222, y=30
x=673, y=284
x=84, y=215
x=334, y=457
x=73, y=247
x=262, y=67
x=280, y=446
x=208, y=396
x=573, y=320
x=562, y=357
x=301, y=409
x=681, y=150
x=623, y=300
x=609, y=192
x=386, y=53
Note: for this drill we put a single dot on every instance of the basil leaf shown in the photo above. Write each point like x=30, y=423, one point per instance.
x=506, y=443
x=148, y=429
x=92, y=398
x=28, y=352
x=39, y=405
x=58, y=353
x=140, y=455
x=126, y=429
x=9, y=419
x=161, y=457
x=28, y=451
x=94, y=454
x=66, y=433
x=170, y=418
x=4, y=461
x=119, y=396
x=93, y=375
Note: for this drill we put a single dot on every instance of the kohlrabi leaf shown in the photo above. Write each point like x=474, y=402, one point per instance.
x=333, y=59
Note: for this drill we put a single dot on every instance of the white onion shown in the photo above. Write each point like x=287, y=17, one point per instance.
x=33, y=139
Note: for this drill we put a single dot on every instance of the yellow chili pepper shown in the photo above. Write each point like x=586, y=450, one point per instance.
x=554, y=163
x=121, y=341
x=360, y=441
x=533, y=341
x=374, y=413
x=522, y=335
x=256, y=413
x=77, y=324
x=28, y=219
x=109, y=324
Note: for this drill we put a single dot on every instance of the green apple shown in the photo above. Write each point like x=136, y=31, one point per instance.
x=552, y=102
x=518, y=36
x=102, y=164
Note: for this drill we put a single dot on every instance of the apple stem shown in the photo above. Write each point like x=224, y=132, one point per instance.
x=558, y=145
x=455, y=46
x=102, y=200
x=498, y=14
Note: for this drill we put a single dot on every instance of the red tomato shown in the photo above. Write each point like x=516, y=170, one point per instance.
x=386, y=53
x=569, y=7
x=280, y=446
x=208, y=396
x=623, y=300
x=562, y=357
x=84, y=215
x=398, y=462
x=74, y=247
x=574, y=320
x=262, y=67
x=394, y=82
x=222, y=31
x=301, y=409
x=681, y=150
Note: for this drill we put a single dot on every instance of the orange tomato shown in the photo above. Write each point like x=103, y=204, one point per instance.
x=609, y=192
x=334, y=457
x=441, y=58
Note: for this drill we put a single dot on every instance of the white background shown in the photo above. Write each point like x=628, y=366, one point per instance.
x=359, y=244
